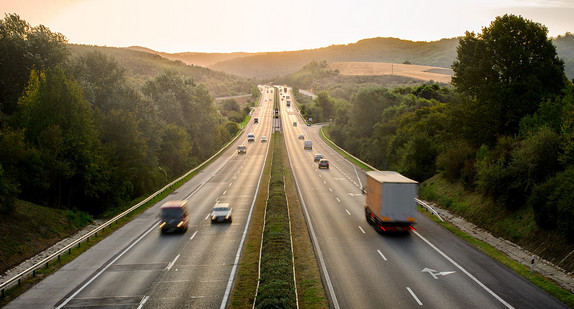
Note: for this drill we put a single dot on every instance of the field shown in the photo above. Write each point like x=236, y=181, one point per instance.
x=421, y=72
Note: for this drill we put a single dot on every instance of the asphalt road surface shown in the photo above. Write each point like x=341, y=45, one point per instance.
x=138, y=267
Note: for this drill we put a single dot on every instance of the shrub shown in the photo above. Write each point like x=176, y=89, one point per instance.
x=552, y=203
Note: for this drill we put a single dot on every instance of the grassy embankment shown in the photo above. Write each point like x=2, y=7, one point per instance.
x=518, y=226
x=307, y=276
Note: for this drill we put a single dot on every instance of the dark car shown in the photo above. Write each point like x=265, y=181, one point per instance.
x=324, y=163
x=318, y=157
x=173, y=216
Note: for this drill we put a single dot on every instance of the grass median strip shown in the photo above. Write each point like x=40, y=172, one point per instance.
x=307, y=276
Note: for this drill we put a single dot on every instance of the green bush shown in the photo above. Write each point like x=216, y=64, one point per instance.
x=552, y=203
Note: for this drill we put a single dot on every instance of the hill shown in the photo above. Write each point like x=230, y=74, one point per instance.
x=199, y=59
x=440, y=53
x=270, y=65
x=141, y=64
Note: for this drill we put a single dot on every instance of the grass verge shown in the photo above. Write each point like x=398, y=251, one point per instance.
x=358, y=163
x=307, y=275
x=456, y=200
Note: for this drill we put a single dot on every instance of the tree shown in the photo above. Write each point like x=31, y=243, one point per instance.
x=59, y=122
x=23, y=48
x=504, y=73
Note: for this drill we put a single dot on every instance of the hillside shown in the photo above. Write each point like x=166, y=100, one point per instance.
x=199, y=59
x=141, y=64
x=269, y=65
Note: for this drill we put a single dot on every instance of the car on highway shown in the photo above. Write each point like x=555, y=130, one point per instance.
x=263, y=139
x=301, y=136
x=250, y=137
x=294, y=123
x=174, y=217
x=307, y=145
x=255, y=120
x=221, y=213
x=324, y=163
x=318, y=157
x=241, y=149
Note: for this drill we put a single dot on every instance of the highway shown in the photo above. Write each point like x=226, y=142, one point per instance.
x=363, y=269
x=137, y=267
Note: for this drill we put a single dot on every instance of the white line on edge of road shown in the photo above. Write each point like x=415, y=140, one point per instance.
x=382, y=255
x=464, y=271
x=106, y=267
x=143, y=301
x=170, y=265
x=414, y=296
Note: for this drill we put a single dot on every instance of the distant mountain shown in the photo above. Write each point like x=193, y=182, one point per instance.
x=200, y=59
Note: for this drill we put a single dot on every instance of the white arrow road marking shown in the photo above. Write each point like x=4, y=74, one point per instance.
x=435, y=273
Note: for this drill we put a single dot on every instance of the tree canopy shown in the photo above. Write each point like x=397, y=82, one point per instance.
x=504, y=73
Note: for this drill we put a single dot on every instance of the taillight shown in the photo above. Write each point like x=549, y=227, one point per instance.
x=162, y=224
x=412, y=228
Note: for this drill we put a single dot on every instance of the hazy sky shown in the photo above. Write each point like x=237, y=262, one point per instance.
x=268, y=25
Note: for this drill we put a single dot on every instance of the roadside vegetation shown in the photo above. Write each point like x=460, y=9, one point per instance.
x=77, y=133
x=508, y=139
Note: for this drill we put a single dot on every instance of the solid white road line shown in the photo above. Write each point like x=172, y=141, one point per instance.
x=195, y=233
x=464, y=271
x=414, y=296
x=171, y=263
x=143, y=301
x=107, y=266
x=361, y=229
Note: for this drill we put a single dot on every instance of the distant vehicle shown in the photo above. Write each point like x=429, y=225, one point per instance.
x=276, y=113
x=324, y=163
x=241, y=149
x=294, y=123
x=390, y=202
x=307, y=145
x=263, y=139
x=288, y=103
x=255, y=120
x=221, y=213
x=318, y=157
x=250, y=137
x=288, y=97
x=301, y=136
x=308, y=124
x=173, y=216
x=285, y=89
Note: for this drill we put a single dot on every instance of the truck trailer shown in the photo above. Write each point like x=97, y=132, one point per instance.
x=390, y=201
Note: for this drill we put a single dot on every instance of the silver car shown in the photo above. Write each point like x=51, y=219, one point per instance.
x=221, y=213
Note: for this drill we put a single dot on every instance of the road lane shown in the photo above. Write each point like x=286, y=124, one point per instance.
x=362, y=278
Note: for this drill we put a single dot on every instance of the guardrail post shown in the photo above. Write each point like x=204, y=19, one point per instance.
x=34, y=273
x=47, y=264
x=58, y=257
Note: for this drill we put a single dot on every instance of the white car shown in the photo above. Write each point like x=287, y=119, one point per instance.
x=221, y=213
x=263, y=139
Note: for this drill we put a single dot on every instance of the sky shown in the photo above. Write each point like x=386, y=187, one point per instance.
x=269, y=25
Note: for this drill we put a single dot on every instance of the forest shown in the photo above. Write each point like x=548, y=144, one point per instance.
x=505, y=129
x=77, y=133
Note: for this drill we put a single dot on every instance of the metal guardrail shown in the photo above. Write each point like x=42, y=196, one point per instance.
x=429, y=208
x=32, y=269
x=420, y=202
x=343, y=150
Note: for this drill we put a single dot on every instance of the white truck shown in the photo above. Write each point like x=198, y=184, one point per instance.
x=390, y=202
